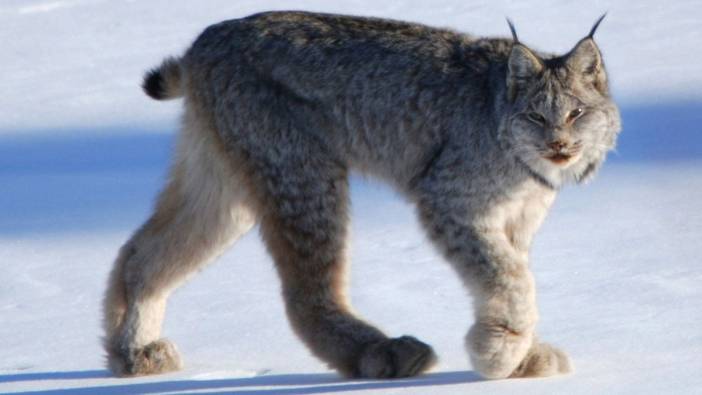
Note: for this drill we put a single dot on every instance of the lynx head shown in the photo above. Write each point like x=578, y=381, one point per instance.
x=562, y=120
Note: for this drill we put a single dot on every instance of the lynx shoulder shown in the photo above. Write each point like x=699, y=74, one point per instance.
x=280, y=107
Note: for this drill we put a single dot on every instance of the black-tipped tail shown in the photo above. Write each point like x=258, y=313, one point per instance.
x=164, y=82
x=153, y=84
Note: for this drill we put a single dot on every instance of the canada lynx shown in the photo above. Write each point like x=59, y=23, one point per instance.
x=479, y=133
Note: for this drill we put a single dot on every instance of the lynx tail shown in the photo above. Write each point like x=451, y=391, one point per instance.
x=165, y=81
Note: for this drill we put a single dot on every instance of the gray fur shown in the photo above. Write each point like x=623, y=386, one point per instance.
x=479, y=132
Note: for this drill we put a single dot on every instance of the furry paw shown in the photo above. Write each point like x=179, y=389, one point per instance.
x=543, y=360
x=401, y=357
x=496, y=351
x=157, y=357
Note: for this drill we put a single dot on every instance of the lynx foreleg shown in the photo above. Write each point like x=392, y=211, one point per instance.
x=505, y=303
x=505, y=306
x=502, y=342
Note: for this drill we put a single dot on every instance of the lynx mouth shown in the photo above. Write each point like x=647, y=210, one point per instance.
x=559, y=159
x=562, y=154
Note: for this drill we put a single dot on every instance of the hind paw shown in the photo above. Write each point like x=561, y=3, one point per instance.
x=160, y=356
x=393, y=358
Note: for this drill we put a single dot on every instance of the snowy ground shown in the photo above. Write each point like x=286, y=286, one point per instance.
x=82, y=153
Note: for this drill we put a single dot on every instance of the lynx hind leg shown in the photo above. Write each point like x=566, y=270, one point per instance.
x=204, y=207
x=304, y=227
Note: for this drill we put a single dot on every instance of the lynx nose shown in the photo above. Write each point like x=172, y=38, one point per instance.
x=557, y=145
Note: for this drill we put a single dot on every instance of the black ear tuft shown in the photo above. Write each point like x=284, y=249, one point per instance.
x=597, y=24
x=513, y=30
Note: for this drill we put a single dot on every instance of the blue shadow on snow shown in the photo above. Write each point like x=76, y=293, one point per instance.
x=107, y=179
x=311, y=383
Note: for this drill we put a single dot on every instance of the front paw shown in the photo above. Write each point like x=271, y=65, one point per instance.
x=543, y=360
x=392, y=358
x=496, y=350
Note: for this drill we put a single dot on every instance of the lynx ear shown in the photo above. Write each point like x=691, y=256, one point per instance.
x=585, y=61
x=522, y=67
x=585, y=58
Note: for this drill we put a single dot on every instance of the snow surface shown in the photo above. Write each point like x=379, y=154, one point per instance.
x=83, y=152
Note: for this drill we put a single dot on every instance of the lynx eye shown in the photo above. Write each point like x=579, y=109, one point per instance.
x=536, y=117
x=575, y=114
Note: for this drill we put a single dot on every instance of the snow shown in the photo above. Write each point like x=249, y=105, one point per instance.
x=83, y=152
